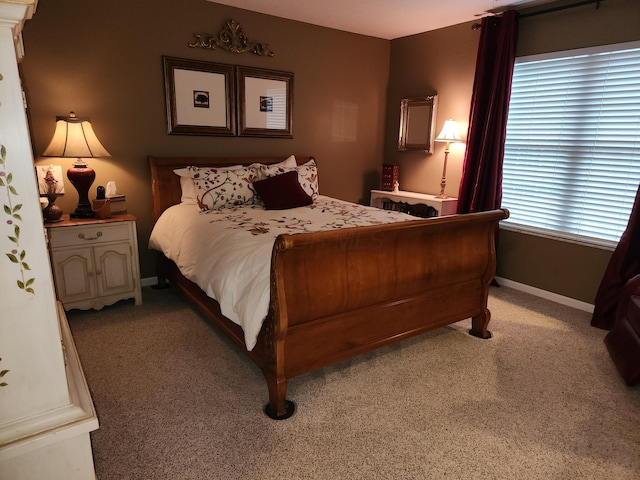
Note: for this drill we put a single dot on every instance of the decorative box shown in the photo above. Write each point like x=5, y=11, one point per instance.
x=390, y=176
x=117, y=203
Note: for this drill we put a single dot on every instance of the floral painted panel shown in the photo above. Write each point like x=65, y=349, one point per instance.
x=11, y=208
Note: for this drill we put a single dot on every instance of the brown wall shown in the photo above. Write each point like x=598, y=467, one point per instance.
x=103, y=60
x=441, y=61
x=444, y=61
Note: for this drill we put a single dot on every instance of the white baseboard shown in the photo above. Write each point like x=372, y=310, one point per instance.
x=554, y=297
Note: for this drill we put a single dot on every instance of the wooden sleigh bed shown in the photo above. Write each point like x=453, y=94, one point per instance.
x=337, y=294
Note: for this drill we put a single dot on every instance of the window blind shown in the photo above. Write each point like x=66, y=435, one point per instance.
x=572, y=150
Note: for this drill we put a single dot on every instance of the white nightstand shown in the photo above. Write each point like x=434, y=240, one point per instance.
x=443, y=206
x=95, y=262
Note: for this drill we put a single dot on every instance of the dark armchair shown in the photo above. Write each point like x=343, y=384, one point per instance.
x=623, y=340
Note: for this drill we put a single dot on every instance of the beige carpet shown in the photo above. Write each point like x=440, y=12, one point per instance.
x=540, y=400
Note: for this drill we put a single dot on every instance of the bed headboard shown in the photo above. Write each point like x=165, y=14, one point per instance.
x=165, y=185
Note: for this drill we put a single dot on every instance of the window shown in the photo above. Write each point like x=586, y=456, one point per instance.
x=572, y=152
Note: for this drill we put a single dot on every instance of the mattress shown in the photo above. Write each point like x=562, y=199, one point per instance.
x=227, y=252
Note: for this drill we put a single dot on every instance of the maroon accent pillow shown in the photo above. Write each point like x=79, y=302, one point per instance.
x=282, y=192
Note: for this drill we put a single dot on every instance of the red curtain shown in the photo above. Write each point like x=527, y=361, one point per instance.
x=481, y=184
x=624, y=264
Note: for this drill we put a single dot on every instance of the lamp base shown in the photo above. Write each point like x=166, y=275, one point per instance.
x=82, y=176
x=443, y=182
x=82, y=212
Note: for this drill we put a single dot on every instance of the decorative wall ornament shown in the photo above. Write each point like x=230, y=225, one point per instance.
x=232, y=39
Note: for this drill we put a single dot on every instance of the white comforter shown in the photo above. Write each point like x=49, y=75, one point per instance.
x=227, y=252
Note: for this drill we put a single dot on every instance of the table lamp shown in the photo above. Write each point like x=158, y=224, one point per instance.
x=450, y=135
x=74, y=137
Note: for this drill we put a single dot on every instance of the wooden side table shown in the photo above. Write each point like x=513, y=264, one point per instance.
x=388, y=200
x=95, y=261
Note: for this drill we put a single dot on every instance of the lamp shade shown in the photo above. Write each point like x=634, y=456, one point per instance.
x=74, y=137
x=449, y=132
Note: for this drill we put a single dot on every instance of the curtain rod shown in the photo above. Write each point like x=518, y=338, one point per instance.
x=476, y=26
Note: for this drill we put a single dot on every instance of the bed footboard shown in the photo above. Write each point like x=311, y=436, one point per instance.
x=341, y=293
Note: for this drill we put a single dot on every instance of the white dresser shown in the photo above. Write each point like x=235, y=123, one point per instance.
x=46, y=411
x=385, y=199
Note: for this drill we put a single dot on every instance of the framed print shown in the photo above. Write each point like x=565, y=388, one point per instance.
x=200, y=97
x=265, y=103
x=50, y=180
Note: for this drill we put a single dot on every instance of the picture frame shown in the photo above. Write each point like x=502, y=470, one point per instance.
x=265, y=102
x=200, y=97
x=50, y=180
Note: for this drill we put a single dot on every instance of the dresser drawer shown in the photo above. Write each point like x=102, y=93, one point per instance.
x=88, y=234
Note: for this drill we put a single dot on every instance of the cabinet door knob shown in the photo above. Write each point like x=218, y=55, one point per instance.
x=82, y=236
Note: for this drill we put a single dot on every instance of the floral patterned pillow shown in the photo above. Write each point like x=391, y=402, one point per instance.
x=308, y=178
x=307, y=175
x=218, y=188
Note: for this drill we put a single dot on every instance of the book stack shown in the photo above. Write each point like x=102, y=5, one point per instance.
x=390, y=175
x=118, y=204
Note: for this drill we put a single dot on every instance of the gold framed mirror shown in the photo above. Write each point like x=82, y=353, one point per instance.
x=417, y=123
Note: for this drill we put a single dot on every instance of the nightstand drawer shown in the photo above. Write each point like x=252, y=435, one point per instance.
x=89, y=234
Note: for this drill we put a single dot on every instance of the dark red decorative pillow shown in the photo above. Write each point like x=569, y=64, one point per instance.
x=282, y=191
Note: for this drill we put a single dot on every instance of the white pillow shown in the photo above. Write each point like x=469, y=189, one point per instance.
x=290, y=162
x=186, y=186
